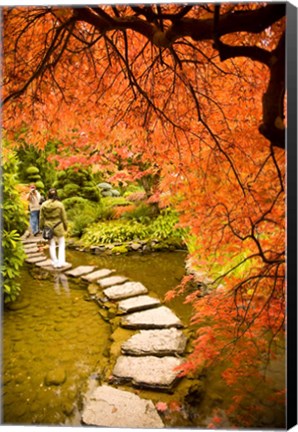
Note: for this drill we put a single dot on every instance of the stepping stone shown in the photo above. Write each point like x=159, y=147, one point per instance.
x=79, y=271
x=47, y=265
x=110, y=407
x=35, y=254
x=137, y=303
x=97, y=275
x=30, y=240
x=36, y=259
x=127, y=289
x=31, y=249
x=160, y=317
x=151, y=372
x=29, y=245
x=110, y=281
x=155, y=342
x=54, y=269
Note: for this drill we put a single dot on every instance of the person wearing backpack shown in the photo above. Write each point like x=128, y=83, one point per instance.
x=53, y=215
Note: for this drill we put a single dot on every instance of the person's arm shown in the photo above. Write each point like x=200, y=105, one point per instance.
x=64, y=217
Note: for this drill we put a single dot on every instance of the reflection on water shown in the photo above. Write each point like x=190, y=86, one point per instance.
x=61, y=283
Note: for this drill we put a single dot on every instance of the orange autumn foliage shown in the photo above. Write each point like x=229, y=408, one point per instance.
x=193, y=96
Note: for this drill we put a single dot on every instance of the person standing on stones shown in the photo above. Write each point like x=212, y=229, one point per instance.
x=33, y=197
x=53, y=215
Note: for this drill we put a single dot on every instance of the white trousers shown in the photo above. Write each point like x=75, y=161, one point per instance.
x=60, y=261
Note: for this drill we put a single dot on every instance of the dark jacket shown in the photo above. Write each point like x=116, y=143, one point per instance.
x=51, y=212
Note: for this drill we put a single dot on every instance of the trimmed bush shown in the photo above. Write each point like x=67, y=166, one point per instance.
x=91, y=193
x=77, y=182
x=31, y=170
x=39, y=184
x=71, y=189
x=71, y=202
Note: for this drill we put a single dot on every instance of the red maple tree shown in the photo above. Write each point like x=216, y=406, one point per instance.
x=195, y=93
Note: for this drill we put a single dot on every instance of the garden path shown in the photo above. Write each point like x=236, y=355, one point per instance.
x=150, y=358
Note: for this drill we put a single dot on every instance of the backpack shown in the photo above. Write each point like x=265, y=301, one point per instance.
x=48, y=233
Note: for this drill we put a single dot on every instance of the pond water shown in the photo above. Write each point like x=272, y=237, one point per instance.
x=59, y=330
x=58, y=336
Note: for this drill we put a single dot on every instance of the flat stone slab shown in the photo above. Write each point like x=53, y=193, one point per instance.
x=79, y=271
x=124, y=291
x=35, y=254
x=150, y=371
x=110, y=407
x=110, y=281
x=31, y=249
x=47, y=265
x=155, y=342
x=137, y=303
x=36, y=259
x=30, y=240
x=94, y=276
x=55, y=269
x=160, y=317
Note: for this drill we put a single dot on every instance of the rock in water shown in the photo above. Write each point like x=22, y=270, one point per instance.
x=55, y=377
x=160, y=317
x=148, y=372
x=155, y=342
x=126, y=290
x=110, y=407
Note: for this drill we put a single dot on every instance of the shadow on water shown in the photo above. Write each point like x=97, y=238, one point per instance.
x=56, y=346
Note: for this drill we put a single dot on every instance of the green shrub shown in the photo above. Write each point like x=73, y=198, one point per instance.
x=35, y=161
x=31, y=170
x=77, y=182
x=115, y=201
x=91, y=193
x=114, y=232
x=132, y=188
x=61, y=194
x=69, y=203
x=15, y=222
x=81, y=213
x=143, y=212
x=40, y=186
x=34, y=178
x=71, y=189
x=61, y=175
x=163, y=228
x=14, y=257
x=119, y=250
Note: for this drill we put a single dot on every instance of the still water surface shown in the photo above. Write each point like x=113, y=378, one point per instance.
x=60, y=330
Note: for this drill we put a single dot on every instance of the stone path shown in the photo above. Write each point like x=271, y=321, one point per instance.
x=110, y=407
x=150, y=358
